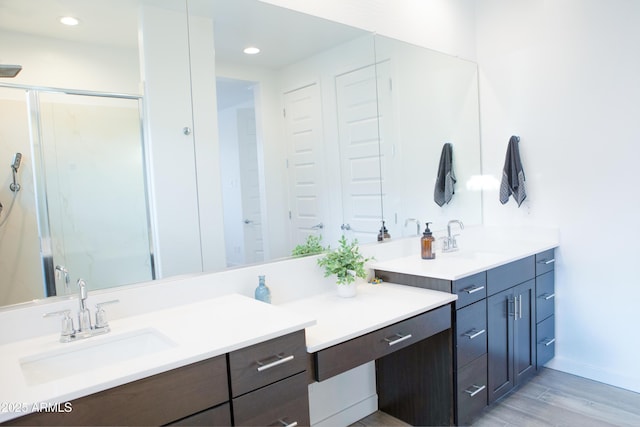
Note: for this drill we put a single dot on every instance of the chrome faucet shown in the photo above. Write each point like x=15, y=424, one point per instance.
x=84, y=315
x=417, y=221
x=61, y=270
x=450, y=244
x=85, y=328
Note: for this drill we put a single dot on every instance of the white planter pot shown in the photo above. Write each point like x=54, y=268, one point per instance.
x=347, y=291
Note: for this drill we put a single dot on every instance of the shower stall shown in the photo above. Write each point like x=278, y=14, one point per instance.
x=75, y=179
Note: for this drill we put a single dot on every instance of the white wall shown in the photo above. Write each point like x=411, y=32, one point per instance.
x=564, y=76
x=444, y=25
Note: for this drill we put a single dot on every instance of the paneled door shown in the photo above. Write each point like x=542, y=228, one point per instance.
x=303, y=124
x=360, y=167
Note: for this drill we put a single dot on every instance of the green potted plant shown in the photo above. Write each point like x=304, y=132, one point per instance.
x=346, y=263
x=311, y=246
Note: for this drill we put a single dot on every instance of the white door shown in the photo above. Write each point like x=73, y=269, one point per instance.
x=250, y=186
x=303, y=124
x=358, y=131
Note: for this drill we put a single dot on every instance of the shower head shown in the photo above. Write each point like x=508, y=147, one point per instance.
x=9, y=70
x=17, y=158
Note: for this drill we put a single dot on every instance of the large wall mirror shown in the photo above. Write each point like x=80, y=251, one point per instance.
x=207, y=158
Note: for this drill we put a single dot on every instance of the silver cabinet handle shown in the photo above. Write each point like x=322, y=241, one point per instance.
x=478, y=389
x=515, y=308
x=520, y=305
x=473, y=289
x=547, y=261
x=548, y=341
x=547, y=296
x=283, y=423
x=399, y=340
x=280, y=361
x=471, y=335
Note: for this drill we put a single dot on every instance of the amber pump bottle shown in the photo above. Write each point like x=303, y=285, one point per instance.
x=426, y=244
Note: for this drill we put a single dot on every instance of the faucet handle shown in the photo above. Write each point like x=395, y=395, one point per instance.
x=67, y=323
x=101, y=315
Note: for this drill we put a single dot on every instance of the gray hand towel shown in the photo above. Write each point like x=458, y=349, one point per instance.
x=512, y=174
x=445, y=180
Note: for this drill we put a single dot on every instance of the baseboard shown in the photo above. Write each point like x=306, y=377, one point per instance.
x=626, y=381
x=351, y=414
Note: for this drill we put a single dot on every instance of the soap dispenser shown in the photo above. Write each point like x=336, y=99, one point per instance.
x=427, y=248
x=262, y=292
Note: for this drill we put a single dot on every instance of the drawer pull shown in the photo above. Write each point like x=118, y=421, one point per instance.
x=283, y=423
x=547, y=297
x=399, y=340
x=472, y=334
x=478, y=389
x=280, y=361
x=547, y=261
x=547, y=342
x=473, y=289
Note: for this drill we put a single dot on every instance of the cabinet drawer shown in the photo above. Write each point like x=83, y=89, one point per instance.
x=472, y=390
x=508, y=275
x=347, y=355
x=471, y=332
x=218, y=416
x=470, y=289
x=545, y=295
x=546, y=340
x=267, y=362
x=281, y=403
x=545, y=262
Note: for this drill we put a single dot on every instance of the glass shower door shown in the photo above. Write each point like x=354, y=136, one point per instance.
x=93, y=207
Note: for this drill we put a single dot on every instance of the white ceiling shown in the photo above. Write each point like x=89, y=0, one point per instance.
x=285, y=36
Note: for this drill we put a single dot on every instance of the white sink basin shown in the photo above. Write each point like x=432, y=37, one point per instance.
x=82, y=356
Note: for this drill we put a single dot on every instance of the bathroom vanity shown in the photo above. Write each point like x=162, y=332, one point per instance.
x=405, y=331
x=503, y=320
x=244, y=371
x=471, y=326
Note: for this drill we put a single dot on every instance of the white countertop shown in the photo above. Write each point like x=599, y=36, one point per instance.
x=463, y=263
x=196, y=331
x=375, y=306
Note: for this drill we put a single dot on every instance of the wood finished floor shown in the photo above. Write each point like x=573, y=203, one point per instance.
x=552, y=398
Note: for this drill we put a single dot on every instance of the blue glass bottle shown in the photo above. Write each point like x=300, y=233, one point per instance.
x=262, y=291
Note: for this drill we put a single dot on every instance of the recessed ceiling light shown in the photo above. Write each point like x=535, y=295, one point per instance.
x=251, y=50
x=69, y=20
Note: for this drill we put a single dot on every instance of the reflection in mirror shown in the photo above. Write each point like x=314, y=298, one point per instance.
x=426, y=99
x=327, y=135
x=99, y=57
x=312, y=106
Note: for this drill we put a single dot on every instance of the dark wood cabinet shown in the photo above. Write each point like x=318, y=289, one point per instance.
x=469, y=323
x=511, y=338
x=503, y=328
x=261, y=384
x=269, y=382
x=157, y=400
x=545, y=307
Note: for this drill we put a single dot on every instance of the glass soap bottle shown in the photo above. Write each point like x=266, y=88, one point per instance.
x=427, y=249
x=262, y=291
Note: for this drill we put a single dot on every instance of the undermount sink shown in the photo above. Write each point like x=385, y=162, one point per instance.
x=72, y=359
